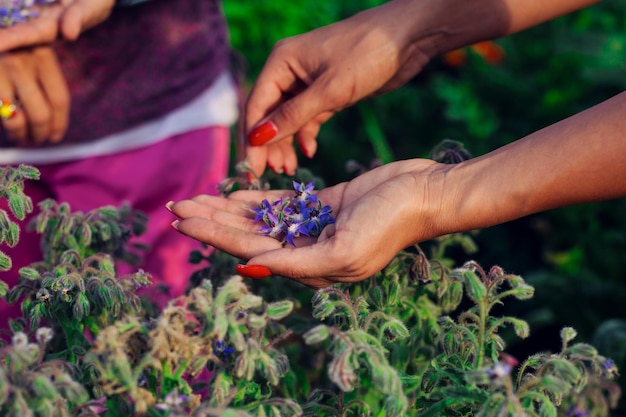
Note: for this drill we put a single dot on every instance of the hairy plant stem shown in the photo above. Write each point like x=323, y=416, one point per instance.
x=373, y=315
x=483, y=311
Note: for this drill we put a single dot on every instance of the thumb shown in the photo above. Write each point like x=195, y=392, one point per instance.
x=302, y=264
x=72, y=22
x=82, y=15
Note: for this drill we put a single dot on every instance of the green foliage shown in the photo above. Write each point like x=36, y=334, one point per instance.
x=12, y=190
x=420, y=338
x=547, y=73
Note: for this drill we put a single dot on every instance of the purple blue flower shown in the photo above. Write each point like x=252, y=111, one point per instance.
x=574, y=411
x=264, y=209
x=288, y=219
x=223, y=351
x=610, y=369
x=304, y=193
x=172, y=400
x=294, y=230
x=18, y=11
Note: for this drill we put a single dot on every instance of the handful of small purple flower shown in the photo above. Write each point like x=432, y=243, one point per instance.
x=13, y=12
x=287, y=218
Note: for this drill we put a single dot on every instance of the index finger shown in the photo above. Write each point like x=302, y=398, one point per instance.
x=276, y=78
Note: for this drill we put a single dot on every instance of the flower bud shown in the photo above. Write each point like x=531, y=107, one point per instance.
x=316, y=335
x=394, y=329
x=321, y=311
x=393, y=296
x=280, y=309
x=568, y=334
x=376, y=295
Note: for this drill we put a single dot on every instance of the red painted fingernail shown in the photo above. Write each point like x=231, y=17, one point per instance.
x=253, y=271
x=262, y=134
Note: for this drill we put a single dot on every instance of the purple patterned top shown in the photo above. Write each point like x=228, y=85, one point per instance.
x=142, y=63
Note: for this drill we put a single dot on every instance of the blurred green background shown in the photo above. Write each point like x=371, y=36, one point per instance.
x=575, y=257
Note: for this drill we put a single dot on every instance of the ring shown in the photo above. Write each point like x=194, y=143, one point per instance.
x=8, y=109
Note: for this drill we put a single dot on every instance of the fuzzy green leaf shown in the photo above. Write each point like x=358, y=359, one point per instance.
x=28, y=172
x=12, y=234
x=5, y=262
x=29, y=273
x=17, y=205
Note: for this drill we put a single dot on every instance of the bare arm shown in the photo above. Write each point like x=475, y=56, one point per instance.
x=308, y=78
x=578, y=160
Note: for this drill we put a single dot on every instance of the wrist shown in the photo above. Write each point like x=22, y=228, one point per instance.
x=471, y=197
x=432, y=201
x=438, y=26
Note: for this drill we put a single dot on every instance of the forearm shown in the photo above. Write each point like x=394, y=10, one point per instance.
x=578, y=160
x=438, y=26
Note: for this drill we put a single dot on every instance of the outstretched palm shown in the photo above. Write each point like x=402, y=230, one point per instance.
x=377, y=215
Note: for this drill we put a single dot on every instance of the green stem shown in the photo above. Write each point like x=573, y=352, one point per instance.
x=181, y=369
x=373, y=315
x=166, y=373
x=483, y=310
x=375, y=134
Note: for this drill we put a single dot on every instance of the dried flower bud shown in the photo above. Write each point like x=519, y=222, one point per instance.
x=342, y=371
x=44, y=335
x=20, y=339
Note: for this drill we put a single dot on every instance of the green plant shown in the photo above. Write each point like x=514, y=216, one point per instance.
x=420, y=338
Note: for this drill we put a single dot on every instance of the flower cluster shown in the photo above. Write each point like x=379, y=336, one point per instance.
x=287, y=218
x=13, y=12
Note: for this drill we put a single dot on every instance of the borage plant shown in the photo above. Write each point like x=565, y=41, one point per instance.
x=419, y=338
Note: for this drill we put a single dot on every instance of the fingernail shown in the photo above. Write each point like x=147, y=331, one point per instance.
x=175, y=224
x=262, y=134
x=276, y=170
x=253, y=271
x=169, y=205
x=310, y=152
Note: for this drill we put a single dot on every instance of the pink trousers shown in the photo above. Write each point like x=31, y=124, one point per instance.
x=177, y=168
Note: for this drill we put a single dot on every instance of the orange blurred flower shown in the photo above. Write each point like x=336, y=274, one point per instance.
x=455, y=58
x=490, y=51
